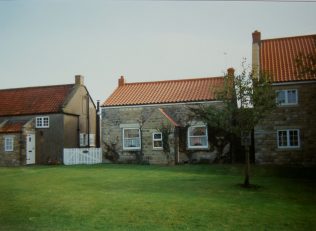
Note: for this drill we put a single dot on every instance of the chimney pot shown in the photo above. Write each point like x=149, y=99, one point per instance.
x=256, y=37
x=121, y=81
x=230, y=71
x=79, y=79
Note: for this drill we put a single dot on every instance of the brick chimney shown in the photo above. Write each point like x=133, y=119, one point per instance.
x=79, y=80
x=230, y=75
x=256, y=41
x=230, y=71
x=121, y=81
x=230, y=82
x=256, y=37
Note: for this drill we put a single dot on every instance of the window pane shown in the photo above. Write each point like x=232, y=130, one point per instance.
x=282, y=138
x=42, y=122
x=293, y=138
x=131, y=138
x=198, y=131
x=8, y=144
x=197, y=137
x=291, y=96
x=281, y=97
x=131, y=133
x=82, y=138
x=38, y=122
x=157, y=144
x=198, y=141
x=157, y=140
x=157, y=136
x=45, y=122
x=132, y=142
x=92, y=139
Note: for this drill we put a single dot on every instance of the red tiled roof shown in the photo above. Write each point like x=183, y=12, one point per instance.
x=12, y=127
x=33, y=100
x=159, y=92
x=277, y=57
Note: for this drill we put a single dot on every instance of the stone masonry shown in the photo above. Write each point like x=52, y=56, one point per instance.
x=301, y=116
x=150, y=119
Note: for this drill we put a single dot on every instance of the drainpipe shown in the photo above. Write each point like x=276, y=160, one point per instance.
x=98, y=125
x=78, y=130
x=176, y=145
x=88, y=118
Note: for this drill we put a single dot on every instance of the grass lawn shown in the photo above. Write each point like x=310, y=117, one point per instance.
x=133, y=197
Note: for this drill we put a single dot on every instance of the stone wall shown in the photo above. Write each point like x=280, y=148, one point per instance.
x=301, y=116
x=11, y=158
x=149, y=119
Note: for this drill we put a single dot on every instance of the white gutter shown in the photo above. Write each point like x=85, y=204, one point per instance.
x=294, y=83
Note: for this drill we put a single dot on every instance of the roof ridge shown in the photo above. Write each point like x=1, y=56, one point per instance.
x=174, y=80
x=289, y=37
x=34, y=87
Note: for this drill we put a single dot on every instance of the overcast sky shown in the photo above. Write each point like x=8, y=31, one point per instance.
x=49, y=42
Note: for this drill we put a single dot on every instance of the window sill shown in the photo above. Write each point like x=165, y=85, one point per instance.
x=197, y=148
x=131, y=149
x=157, y=149
x=289, y=149
x=287, y=105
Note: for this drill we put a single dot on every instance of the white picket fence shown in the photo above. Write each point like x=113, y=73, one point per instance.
x=82, y=156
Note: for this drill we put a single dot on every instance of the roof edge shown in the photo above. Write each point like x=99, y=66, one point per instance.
x=168, y=117
x=289, y=37
x=34, y=87
x=161, y=104
x=173, y=80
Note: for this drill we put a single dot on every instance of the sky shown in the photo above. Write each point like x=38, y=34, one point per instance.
x=49, y=42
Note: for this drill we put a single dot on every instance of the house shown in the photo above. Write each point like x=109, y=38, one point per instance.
x=288, y=134
x=36, y=123
x=150, y=121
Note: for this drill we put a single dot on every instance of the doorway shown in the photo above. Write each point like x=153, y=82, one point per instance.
x=30, y=149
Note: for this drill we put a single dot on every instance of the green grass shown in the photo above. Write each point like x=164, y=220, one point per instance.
x=133, y=197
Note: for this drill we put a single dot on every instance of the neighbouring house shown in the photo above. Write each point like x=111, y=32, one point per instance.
x=37, y=123
x=150, y=121
x=288, y=134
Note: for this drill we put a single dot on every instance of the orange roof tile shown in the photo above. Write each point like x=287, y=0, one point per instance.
x=33, y=100
x=12, y=127
x=159, y=92
x=277, y=57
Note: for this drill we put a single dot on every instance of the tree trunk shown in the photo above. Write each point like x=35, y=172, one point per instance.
x=247, y=169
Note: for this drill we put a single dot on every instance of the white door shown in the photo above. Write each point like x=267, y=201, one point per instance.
x=30, y=149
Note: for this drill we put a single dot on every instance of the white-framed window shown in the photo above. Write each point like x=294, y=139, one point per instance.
x=157, y=140
x=42, y=122
x=197, y=137
x=131, y=139
x=92, y=140
x=8, y=143
x=288, y=138
x=287, y=97
x=84, y=139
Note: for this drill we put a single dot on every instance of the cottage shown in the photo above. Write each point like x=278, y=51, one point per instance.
x=36, y=123
x=149, y=121
x=287, y=135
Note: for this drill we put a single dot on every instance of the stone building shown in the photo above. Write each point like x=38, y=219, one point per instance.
x=287, y=135
x=150, y=121
x=37, y=123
